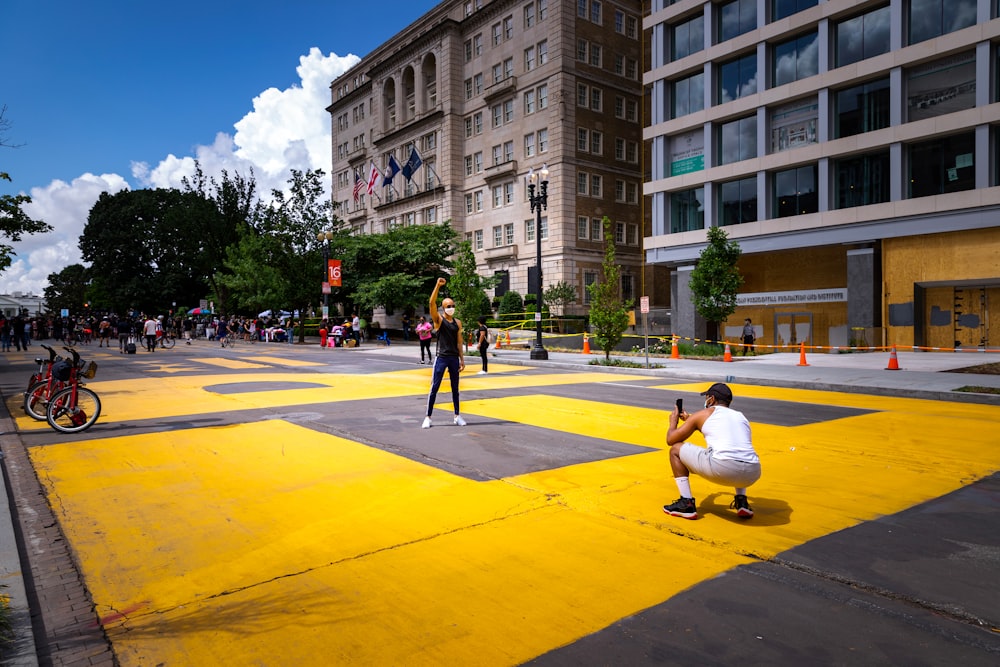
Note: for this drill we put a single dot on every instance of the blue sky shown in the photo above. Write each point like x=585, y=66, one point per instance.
x=108, y=94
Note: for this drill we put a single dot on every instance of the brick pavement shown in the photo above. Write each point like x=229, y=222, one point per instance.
x=67, y=631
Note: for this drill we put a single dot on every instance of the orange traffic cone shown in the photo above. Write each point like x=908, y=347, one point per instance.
x=675, y=350
x=728, y=354
x=508, y=338
x=586, y=344
x=893, y=360
x=499, y=341
x=802, y=354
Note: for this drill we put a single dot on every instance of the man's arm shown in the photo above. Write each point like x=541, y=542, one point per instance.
x=681, y=432
x=435, y=315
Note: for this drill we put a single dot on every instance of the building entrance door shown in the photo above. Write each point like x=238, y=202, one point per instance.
x=792, y=328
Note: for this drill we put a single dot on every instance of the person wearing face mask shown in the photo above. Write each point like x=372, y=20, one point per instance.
x=450, y=355
x=729, y=459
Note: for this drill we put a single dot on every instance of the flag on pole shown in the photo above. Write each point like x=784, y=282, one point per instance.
x=412, y=164
x=390, y=171
x=359, y=185
x=372, y=178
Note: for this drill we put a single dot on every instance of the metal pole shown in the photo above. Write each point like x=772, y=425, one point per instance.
x=537, y=204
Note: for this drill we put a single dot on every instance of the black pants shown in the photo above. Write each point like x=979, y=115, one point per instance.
x=747, y=344
x=426, y=345
x=485, y=357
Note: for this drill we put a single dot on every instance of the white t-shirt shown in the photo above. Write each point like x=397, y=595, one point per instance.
x=150, y=327
x=727, y=434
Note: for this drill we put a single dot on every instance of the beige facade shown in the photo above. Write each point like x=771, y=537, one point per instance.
x=486, y=91
x=848, y=146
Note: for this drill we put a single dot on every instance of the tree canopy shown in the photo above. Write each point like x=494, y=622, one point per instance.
x=716, y=280
x=15, y=224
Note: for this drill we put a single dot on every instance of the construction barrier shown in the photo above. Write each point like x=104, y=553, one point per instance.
x=893, y=360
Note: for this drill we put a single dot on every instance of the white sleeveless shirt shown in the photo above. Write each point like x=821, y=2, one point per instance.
x=727, y=433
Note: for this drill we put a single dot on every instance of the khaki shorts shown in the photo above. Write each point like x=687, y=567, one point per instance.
x=721, y=471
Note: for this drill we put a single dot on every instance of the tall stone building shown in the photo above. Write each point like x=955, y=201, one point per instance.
x=483, y=92
x=850, y=147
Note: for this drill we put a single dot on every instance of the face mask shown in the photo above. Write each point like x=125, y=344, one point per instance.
x=706, y=403
x=450, y=310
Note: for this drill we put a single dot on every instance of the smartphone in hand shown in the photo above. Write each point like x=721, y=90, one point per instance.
x=680, y=405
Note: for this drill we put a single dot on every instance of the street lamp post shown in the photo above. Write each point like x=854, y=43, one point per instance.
x=325, y=238
x=538, y=202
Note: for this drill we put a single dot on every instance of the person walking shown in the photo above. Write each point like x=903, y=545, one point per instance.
x=104, y=333
x=483, y=341
x=748, y=336
x=149, y=331
x=729, y=459
x=125, y=332
x=424, y=330
x=356, y=329
x=406, y=323
x=450, y=356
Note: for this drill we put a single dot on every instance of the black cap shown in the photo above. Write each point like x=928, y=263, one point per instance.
x=720, y=391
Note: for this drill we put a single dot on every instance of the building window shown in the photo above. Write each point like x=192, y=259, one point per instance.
x=497, y=236
x=737, y=78
x=631, y=193
x=688, y=37
x=596, y=185
x=633, y=234
x=689, y=95
x=477, y=83
x=596, y=229
x=582, y=181
x=795, y=192
x=529, y=145
x=782, y=8
x=589, y=278
x=508, y=193
x=736, y=18
x=468, y=127
x=468, y=165
x=497, y=196
x=862, y=108
x=529, y=230
x=619, y=190
x=581, y=50
x=597, y=143
x=942, y=165
x=738, y=140
x=529, y=15
x=543, y=52
x=620, y=233
x=794, y=125
x=508, y=68
x=508, y=232
x=508, y=27
x=543, y=9
x=619, y=149
x=687, y=210
x=596, y=99
x=619, y=22
x=931, y=18
x=941, y=87
x=687, y=152
x=468, y=203
x=543, y=140
x=862, y=37
x=862, y=180
x=478, y=195
x=477, y=158
x=595, y=55
x=628, y=288
x=582, y=222
x=738, y=202
x=477, y=45
x=529, y=59
x=478, y=235
x=497, y=34
x=796, y=59
x=631, y=27
x=529, y=102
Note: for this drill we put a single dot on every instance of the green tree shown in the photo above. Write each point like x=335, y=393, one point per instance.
x=608, y=313
x=468, y=289
x=270, y=265
x=716, y=280
x=560, y=295
x=396, y=270
x=14, y=222
x=68, y=289
x=511, y=309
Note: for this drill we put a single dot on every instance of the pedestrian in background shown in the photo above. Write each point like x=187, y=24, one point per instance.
x=149, y=331
x=483, y=335
x=424, y=334
x=749, y=336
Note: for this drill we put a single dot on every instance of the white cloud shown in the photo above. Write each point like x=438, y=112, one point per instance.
x=287, y=129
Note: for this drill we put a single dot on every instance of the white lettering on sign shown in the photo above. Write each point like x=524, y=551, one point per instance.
x=831, y=295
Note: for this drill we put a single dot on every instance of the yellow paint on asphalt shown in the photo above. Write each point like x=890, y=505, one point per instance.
x=228, y=363
x=270, y=543
x=294, y=363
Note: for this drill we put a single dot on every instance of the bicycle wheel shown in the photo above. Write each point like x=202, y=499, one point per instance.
x=66, y=417
x=168, y=342
x=35, y=400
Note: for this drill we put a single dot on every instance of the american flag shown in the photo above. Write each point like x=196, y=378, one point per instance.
x=373, y=178
x=359, y=185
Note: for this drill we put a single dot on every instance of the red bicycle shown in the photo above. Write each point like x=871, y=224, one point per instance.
x=74, y=408
x=41, y=386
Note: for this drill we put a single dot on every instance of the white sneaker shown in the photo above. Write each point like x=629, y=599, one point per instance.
x=427, y=423
x=459, y=421
x=481, y=373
